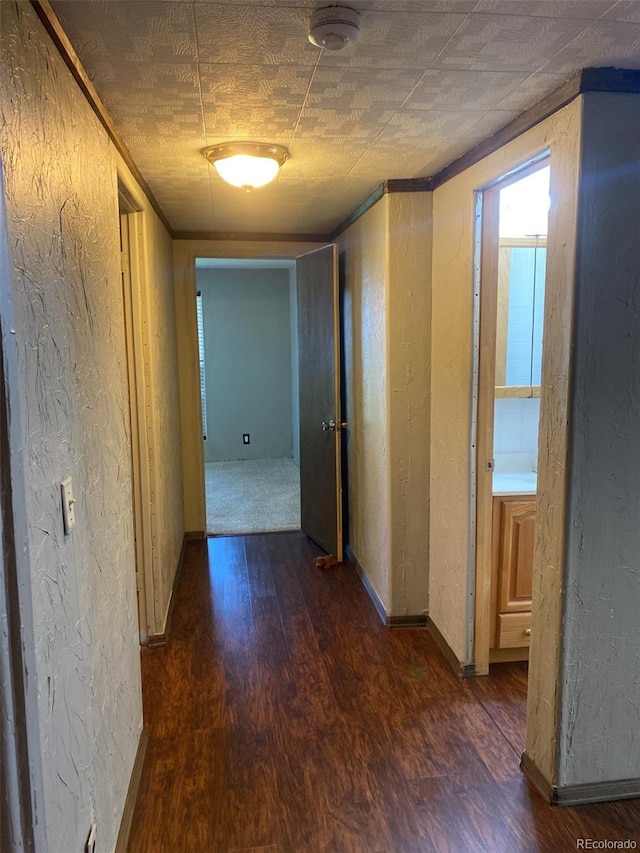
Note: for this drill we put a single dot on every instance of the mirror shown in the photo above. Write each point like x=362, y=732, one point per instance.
x=521, y=280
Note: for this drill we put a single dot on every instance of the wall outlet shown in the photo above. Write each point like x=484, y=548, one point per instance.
x=90, y=844
x=246, y=438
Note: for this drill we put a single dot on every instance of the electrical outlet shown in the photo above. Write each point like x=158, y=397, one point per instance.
x=246, y=438
x=90, y=844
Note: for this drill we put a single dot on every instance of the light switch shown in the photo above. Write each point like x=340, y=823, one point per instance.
x=68, y=505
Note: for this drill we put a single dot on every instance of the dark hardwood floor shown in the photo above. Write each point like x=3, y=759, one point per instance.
x=283, y=717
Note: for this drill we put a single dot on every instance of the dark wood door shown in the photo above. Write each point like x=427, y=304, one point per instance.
x=320, y=416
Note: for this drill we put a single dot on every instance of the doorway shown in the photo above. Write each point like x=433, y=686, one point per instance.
x=135, y=311
x=248, y=357
x=511, y=309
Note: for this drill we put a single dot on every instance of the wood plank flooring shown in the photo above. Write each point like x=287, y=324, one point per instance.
x=284, y=718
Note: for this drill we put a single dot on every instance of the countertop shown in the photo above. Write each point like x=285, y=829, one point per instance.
x=514, y=482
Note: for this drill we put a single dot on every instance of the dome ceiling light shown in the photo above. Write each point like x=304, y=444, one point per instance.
x=334, y=27
x=247, y=165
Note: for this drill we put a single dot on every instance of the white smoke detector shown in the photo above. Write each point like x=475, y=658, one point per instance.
x=334, y=27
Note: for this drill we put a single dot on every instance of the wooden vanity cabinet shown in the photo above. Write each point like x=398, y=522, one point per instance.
x=512, y=568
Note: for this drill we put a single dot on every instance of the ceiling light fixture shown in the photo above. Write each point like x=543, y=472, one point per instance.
x=334, y=27
x=247, y=165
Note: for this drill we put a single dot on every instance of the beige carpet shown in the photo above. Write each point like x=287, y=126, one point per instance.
x=250, y=496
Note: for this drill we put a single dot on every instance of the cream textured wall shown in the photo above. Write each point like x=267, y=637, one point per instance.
x=451, y=575
x=387, y=266
x=164, y=436
x=364, y=253
x=20, y=773
x=599, y=675
x=451, y=354
x=548, y=582
x=408, y=347
x=69, y=333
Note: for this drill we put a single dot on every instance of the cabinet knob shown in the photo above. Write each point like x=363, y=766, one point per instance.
x=527, y=632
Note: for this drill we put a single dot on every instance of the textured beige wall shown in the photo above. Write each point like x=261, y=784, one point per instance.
x=599, y=683
x=185, y=253
x=408, y=347
x=363, y=250
x=548, y=584
x=165, y=435
x=63, y=225
x=387, y=267
x=450, y=588
x=451, y=353
x=69, y=333
x=160, y=437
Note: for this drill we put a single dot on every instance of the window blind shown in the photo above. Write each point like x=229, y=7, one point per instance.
x=203, y=387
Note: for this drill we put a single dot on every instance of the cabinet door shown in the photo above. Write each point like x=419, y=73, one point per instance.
x=518, y=521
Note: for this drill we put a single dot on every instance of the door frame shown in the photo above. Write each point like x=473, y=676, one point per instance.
x=482, y=476
x=486, y=270
x=136, y=320
x=185, y=254
x=287, y=265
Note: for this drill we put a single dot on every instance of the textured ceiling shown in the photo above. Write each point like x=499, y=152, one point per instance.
x=428, y=80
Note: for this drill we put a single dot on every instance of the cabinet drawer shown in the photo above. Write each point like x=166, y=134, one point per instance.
x=513, y=630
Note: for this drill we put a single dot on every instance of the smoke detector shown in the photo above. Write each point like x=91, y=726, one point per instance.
x=333, y=27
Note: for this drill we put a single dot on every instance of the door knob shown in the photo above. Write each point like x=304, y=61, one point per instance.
x=332, y=426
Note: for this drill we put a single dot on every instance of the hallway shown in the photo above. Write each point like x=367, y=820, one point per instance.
x=283, y=717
